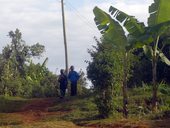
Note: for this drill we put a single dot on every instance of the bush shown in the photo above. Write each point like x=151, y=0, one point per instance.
x=164, y=89
x=101, y=72
x=37, y=91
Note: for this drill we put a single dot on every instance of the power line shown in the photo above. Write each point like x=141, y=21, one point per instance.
x=83, y=18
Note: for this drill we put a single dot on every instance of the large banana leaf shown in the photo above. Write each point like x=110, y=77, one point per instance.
x=150, y=34
x=133, y=26
x=164, y=58
x=159, y=12
x=111, y=29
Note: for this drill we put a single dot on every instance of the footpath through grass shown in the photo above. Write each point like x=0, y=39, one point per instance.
x=80, y=112
x=42, y=113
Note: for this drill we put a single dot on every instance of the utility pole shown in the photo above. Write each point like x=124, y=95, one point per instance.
x=64, y=35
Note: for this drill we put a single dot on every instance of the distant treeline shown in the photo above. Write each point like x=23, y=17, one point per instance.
x=20, y=76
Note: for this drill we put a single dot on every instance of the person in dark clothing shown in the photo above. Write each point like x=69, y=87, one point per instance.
x=63, y=83
x=73, y=76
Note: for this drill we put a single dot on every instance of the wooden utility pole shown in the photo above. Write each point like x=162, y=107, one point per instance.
x=64, y=35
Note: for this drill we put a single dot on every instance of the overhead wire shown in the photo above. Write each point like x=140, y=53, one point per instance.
x=81, y=17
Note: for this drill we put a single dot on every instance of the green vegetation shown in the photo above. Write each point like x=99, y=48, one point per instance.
x=11, y=104
x=19, y=76
x=82, y=111
x=129, y=70
x=102, y=67
x=152, y=39
x=76, y=109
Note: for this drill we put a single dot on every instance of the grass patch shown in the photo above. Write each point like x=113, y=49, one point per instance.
x=82, y=111
x=76, y=110
x=11, y=104
x=56, y=124
x=10, y=119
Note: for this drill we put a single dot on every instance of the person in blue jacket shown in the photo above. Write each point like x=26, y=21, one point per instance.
x=73, y=76
x=63, y=83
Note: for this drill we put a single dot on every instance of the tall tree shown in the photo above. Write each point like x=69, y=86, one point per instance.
x=19, y=52
x=14, y=62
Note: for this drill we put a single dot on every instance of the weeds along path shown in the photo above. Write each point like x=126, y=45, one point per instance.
x=36, y=114
x=37, y=110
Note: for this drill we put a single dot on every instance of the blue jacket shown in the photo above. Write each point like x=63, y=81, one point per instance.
x=73, y=76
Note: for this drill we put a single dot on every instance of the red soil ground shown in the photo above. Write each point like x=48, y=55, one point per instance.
x=38, y=109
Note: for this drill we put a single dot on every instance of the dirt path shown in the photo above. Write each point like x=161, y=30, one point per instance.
x=34, y=112
x=37, y=110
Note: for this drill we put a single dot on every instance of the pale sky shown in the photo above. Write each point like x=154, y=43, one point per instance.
x=40, y=21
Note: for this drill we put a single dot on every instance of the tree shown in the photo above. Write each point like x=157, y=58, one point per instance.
x=19, y=76
x=114, y=34
x=19, y=52
x=158, y=26
x=100, y=72
x=10, y=82
x=142, y=36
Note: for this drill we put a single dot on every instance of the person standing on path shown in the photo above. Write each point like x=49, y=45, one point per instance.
x=63, y=83
x=73, y=76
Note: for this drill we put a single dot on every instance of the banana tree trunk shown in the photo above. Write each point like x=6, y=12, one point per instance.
x=154, y=76
x=124, y=88
x=155, y=87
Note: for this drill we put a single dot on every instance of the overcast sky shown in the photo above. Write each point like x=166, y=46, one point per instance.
x=40, y=21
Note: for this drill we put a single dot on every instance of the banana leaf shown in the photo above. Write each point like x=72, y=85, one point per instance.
x=159, y=12
x=133, y=26
x=110, y=29
x=164, y=58
x=148, y=51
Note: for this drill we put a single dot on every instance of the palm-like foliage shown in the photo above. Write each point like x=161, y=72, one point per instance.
x=111, y=29
x=159, y=12
x=113, y=33
x=158, y=31
x=36, y=72
x=133, y=26
x=158, y=26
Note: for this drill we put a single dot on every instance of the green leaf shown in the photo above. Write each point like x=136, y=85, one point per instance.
x=161, y=29
x=133, y=26
x=164, y=58
x=150, y=35
x=148, y=51
x=139, y=41
x=159, y=12
x=45, y=62
x=111, y=29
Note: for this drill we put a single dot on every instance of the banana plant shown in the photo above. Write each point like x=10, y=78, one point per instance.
x=158, y=26
x=139, y=35
x=36, y=72
x=113, y=33
x=156, y=33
